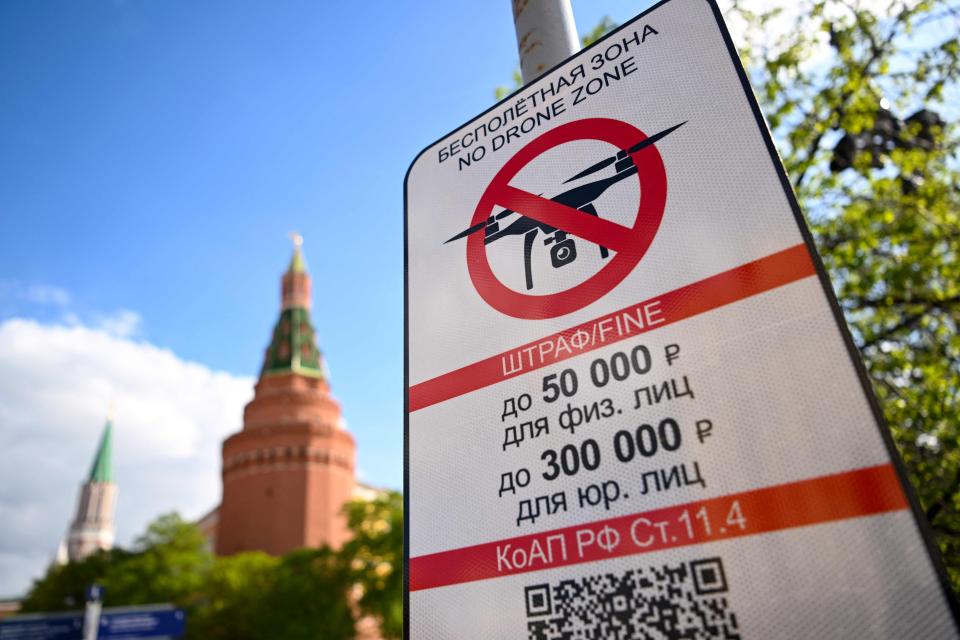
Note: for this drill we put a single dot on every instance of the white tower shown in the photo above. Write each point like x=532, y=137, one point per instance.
x=92, y=527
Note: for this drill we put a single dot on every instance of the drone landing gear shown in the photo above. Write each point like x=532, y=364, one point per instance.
x=562, y=253
x=528, y=238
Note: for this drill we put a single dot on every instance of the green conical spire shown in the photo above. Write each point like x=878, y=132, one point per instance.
x=297, y=263
x=293, y=346
x=102, y=470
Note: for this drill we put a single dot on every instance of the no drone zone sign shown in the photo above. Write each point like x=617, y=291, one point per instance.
x=563, y=216
x=633, y=408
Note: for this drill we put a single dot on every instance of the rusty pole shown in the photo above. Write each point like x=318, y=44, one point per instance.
x=546, y=34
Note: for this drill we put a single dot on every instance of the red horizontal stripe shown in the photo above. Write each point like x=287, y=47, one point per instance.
x=742, y=282
x=851, y=494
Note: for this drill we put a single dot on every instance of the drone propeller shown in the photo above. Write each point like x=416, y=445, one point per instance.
x=603, y=164
x=480, y=225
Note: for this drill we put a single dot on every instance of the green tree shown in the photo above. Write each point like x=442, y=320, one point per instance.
x=603, y=27
x=170, y=563
x=63, y=588
x=308, y=598
x=248, y=596
x=230, y=602
x=376, y=558
x=862, y=99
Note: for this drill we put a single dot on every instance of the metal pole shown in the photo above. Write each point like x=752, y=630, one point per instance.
x=546, y=34
x=91, y=618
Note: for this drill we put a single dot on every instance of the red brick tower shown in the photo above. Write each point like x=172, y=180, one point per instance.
x=288, y=473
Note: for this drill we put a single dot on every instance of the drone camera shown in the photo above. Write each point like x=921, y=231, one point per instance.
x=563, y=252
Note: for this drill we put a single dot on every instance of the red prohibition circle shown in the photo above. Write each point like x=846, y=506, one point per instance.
x=630, y=243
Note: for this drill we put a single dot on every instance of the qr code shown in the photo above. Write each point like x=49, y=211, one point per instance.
x=670, y=602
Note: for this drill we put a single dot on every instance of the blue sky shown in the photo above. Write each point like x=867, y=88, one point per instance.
x=154, y=155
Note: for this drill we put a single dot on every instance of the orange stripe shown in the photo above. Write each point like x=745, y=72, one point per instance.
x=852, y=494
x=742, y=282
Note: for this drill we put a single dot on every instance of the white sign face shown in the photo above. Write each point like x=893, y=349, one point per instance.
x=633, y=408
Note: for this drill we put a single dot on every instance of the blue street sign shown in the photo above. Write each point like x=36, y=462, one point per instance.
x=53, y=626
x=135, y=624
x=116, y=623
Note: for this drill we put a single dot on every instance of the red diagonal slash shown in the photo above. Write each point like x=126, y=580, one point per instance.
x=629, y=243
x=591, y=228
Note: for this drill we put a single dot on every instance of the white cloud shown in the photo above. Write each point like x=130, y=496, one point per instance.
x=122, y=324
x=46, y=294
x=56, y=383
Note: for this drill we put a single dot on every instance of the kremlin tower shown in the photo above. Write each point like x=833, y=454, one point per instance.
x=289, y=472
x=92, y=526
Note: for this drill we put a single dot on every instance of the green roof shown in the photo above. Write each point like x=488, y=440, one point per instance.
x=102, y=470
x=297, y=263
x=293, y=348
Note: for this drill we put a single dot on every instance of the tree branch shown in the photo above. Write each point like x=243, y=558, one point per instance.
x=937, y=507
x=905, y=323
x=876, y=51
x=887, y=301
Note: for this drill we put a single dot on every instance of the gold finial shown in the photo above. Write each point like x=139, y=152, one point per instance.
x=297, y=264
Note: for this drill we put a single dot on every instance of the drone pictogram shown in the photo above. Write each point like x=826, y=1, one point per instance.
x=580, y=198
